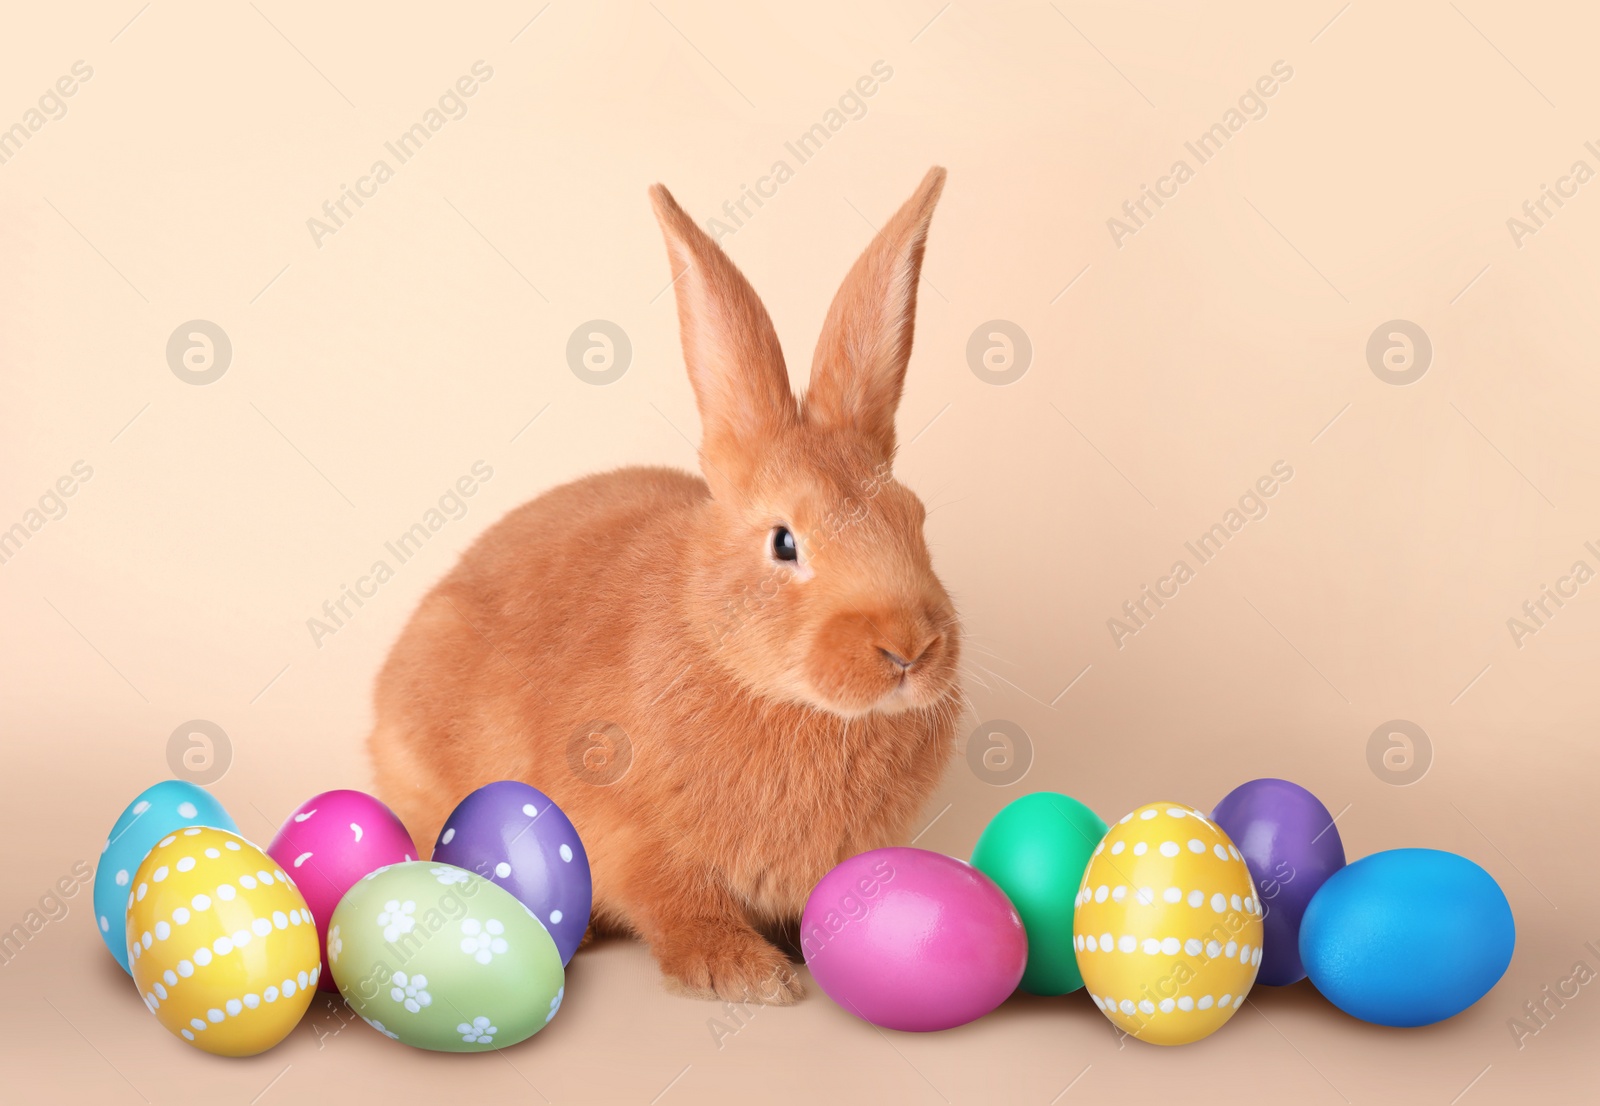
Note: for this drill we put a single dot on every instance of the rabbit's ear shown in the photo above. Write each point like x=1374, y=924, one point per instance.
x=860, y=363
x=731, y=350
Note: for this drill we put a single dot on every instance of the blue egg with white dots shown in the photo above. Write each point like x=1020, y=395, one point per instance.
x=1407, y=937
x=517, y=837
x=167, y=807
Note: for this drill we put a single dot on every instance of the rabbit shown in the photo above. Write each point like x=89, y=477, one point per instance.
x=729, y=682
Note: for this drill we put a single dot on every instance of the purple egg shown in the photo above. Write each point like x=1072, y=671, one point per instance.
x=914, y=940
x=1289, y=841
x=516, y=836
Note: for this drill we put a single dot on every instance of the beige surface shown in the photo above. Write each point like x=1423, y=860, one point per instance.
x=1172, y=368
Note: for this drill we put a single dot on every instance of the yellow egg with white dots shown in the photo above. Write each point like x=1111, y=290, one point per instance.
x=221, y=943
x=1167, y=925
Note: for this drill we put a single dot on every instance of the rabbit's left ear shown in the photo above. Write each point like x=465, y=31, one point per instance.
x=860, y=364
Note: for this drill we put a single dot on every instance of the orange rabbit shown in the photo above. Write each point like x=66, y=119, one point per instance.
x=730, y=684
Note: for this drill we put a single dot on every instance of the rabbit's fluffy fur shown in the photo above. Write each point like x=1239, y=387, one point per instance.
x=723, y=725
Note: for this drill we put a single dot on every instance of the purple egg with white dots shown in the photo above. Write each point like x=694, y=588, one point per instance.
x=517, y=837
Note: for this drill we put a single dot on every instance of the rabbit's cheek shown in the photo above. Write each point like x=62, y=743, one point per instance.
x=850, y=665
x=833, y=671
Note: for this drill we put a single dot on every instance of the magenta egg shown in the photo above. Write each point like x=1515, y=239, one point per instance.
x=330, y=842
x=911, y=939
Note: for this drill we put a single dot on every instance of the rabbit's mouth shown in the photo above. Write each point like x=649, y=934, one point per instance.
x=907, y=693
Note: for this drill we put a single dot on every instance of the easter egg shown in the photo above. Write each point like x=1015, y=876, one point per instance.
x=1288, y=839
x=1036, y=850
x=329, y=842
x=914, y=940
x=1167, y=927
x=154, y=813
x=223, y=947
x=517, y=837
x=440, y=958
x=1407, y=937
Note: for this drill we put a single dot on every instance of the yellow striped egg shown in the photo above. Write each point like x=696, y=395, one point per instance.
x=221, y=943
x=1167, y=925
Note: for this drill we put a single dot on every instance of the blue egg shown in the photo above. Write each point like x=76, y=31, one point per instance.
x=1407, y=937
x=157, y=811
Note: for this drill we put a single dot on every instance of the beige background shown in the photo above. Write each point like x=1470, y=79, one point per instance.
x=1168, y=374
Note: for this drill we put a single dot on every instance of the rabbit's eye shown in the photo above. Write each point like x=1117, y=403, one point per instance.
x=783, y=545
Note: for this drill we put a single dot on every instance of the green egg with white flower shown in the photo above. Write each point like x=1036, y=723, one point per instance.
x=440, y=958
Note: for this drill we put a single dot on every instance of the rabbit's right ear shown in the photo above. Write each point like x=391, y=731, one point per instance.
x=730, y=348
x=865, y=344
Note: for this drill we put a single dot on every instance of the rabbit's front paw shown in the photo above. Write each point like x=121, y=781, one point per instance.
x=731, y=963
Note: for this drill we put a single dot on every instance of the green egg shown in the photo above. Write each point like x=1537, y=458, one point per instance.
x=441, y=958
x=1036, y=849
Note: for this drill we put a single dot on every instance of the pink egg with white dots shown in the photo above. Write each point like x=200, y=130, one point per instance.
x=331, y=841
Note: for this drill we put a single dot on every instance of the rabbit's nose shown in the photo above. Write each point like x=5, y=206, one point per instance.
x=896, y=659
x=917, y=657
